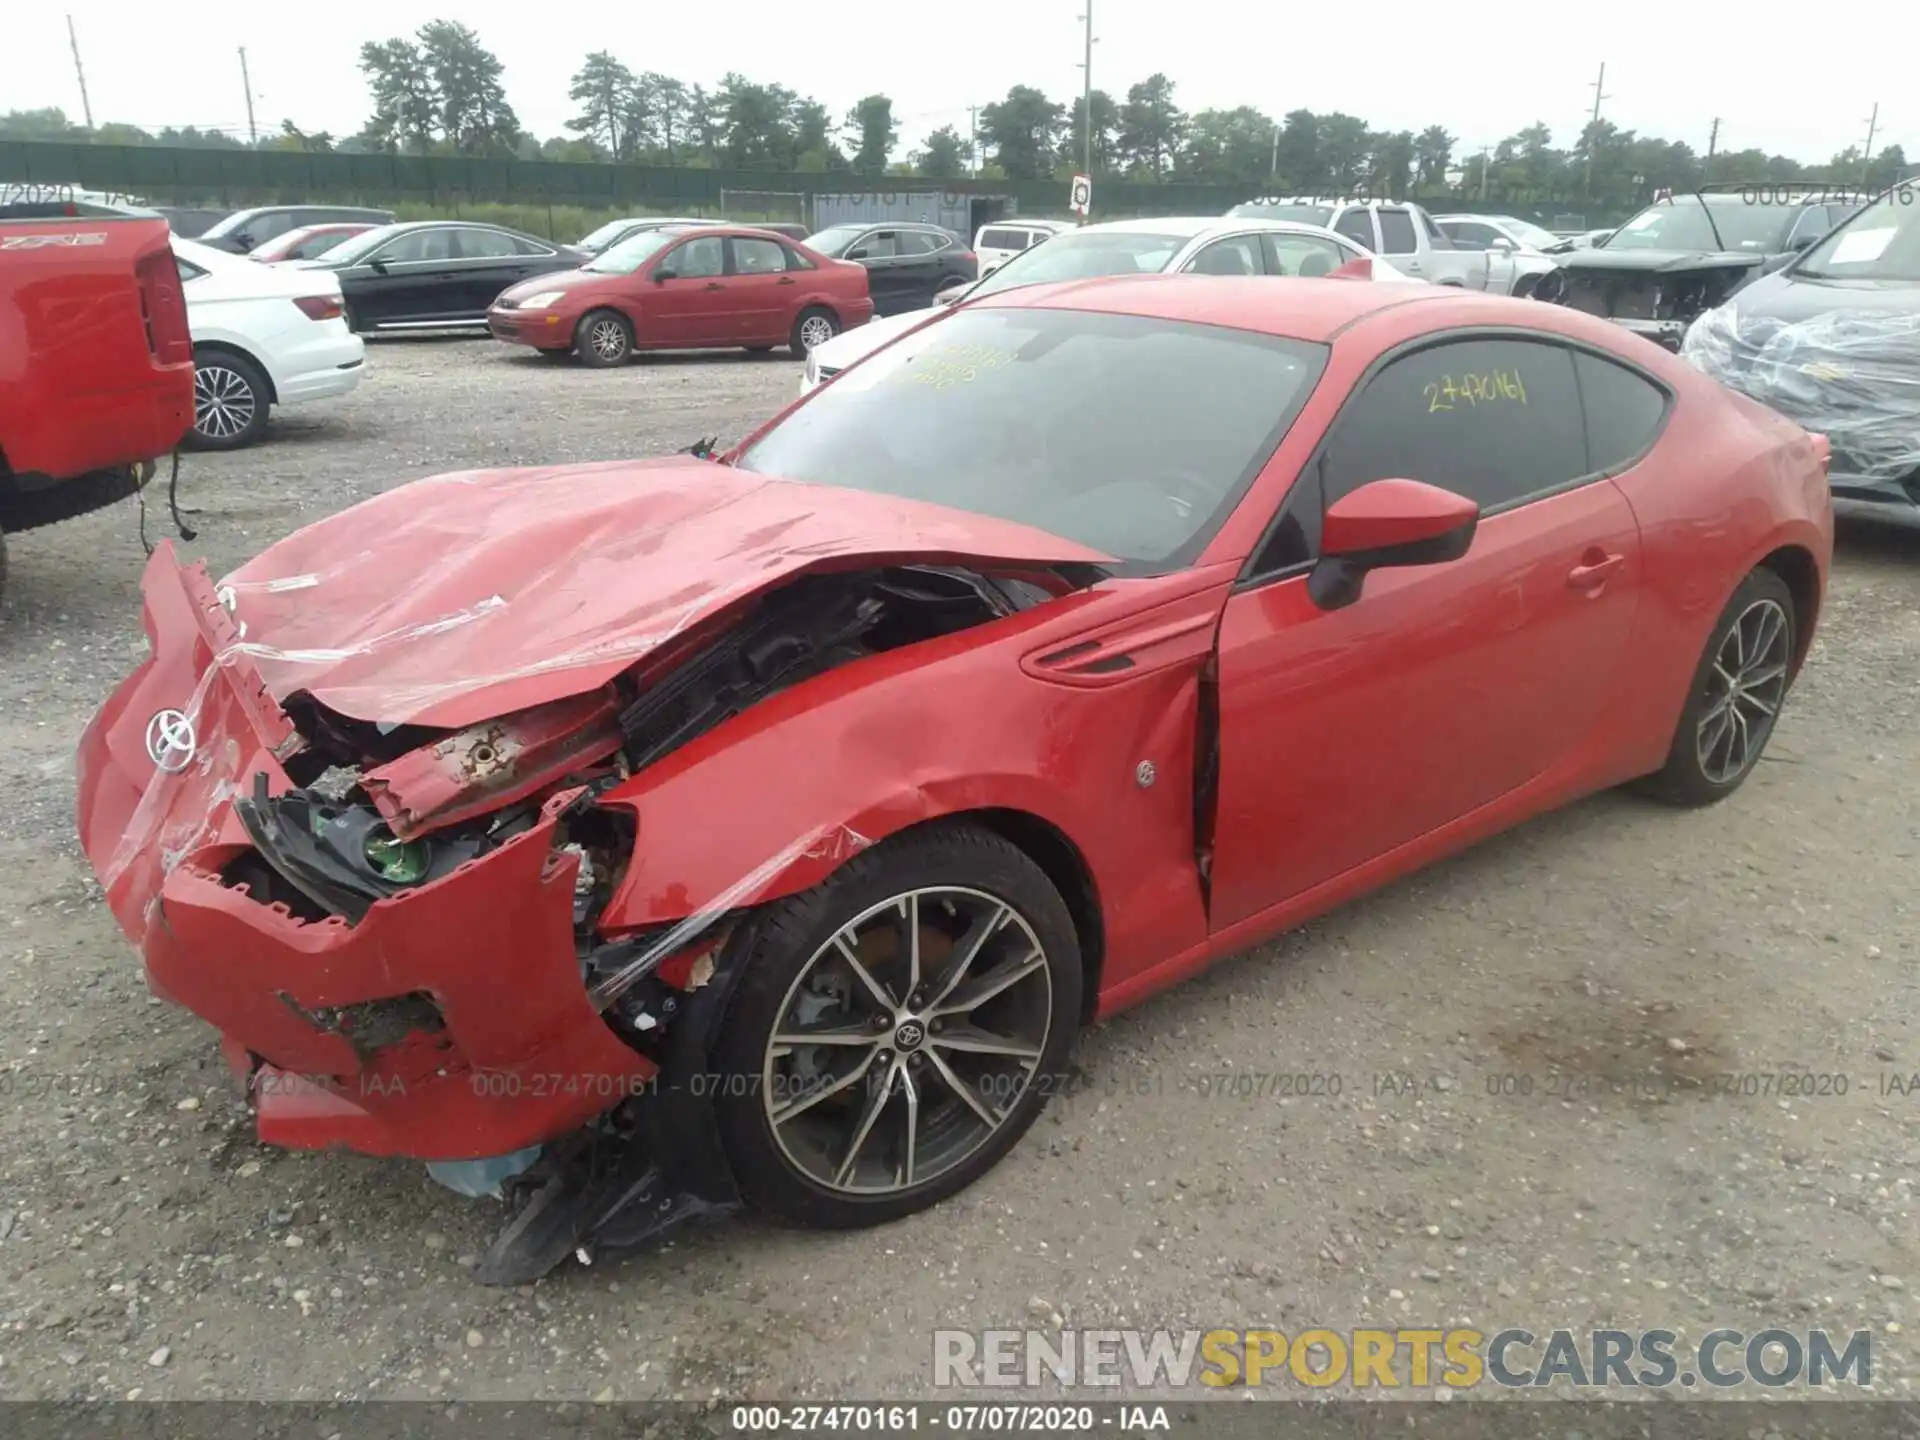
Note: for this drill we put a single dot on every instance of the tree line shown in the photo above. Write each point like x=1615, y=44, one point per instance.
x=441, y=92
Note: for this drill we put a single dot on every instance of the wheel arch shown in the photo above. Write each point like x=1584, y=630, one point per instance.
x=230, y=347
x=1053, y=850
x=1795, y=566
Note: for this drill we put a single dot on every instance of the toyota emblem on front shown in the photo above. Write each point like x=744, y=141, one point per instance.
x=170, y=741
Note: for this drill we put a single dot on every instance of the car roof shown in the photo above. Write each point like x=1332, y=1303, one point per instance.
x=1299, y=309
x=1318, y=310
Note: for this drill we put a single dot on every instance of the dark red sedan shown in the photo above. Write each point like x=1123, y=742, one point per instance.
x=687, y=833
x=705, y=287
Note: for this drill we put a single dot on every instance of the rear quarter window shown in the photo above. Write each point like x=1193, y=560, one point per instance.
x=1003, y=239
x=1624, y=412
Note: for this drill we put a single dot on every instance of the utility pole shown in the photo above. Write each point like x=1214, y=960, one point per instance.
x=1275, y=170
x=1713, y=144
x=1599, y=94
x=973, y=140
x=252, y=131
x=80, y=73
x=1086, y=96
x=1486, y=159
x=1866, y=160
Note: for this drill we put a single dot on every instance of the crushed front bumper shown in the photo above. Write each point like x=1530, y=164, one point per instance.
x=451, y=1022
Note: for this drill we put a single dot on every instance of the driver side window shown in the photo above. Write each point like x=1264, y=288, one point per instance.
x=700, y=259
x=1498, y=421
x=417, y=245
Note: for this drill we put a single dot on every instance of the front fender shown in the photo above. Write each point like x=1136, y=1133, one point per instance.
x=774, y=801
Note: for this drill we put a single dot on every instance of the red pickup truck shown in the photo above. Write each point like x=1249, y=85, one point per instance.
x=96, y=362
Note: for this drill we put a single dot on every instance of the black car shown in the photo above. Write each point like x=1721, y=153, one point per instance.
x=1684, y=254
x=907, y=264
x=436, y=274
x=1831, y=340
x=598, y=242
x=244, y=229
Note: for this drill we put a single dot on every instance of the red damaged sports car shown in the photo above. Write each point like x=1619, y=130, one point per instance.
x=642, y=839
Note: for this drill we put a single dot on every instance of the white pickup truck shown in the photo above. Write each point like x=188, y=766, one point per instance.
x=1399, y=230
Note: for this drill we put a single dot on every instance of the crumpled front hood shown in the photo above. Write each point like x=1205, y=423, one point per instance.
x=1664, y=262
x=465, y=596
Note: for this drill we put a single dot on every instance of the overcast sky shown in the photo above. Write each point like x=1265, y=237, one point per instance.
x=1483, y=71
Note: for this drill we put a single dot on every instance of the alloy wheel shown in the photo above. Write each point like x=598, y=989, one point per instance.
x=906, y=1040
x=815, y=331
x=223, y=402
x=608, y=339
x=1745, y=686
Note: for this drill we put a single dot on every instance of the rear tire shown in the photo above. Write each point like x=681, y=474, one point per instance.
x=870, y=1112
x=230, y=400
x=604, y=339
x=812, y=328
x=1735, y=698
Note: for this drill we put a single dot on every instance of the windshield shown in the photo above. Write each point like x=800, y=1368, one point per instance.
x=1882, y=242
x=631, y=253
x=1130, y=435
x=1683, y=223
x=834, y=239
x=1528, y=233
x=1300, y=214
x=605, y=235
x=1082, y=255
x=354, y=247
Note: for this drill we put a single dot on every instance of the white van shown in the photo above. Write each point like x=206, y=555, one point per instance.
x=1000, y=242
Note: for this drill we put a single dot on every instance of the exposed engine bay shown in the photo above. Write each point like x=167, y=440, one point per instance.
x=1658, y=303
x=355, y=831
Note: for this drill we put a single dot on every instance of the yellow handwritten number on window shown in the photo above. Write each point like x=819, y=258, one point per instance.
x=1449, y=392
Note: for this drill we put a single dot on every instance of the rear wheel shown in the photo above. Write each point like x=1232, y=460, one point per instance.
x=896, y=1029
x=230, y=401
x=812, y=328
x=603, y=338
x=1735, y=700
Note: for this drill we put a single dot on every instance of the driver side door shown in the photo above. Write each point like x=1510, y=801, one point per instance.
x=692, y=308
x=1348, y=733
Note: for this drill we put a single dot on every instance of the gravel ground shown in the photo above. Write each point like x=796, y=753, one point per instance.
x=1615, y=961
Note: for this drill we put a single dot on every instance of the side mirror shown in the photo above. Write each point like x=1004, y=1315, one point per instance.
x=660, y=277
x=1502, y=244
x=1385, y=525
x=951, y=294
x=1802, y=242
x=859, y=254
x=379, y=267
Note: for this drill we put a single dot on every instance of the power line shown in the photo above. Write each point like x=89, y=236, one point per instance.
x=80, y=73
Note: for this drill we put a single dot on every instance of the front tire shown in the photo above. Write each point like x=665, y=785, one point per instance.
x=1735, y=699
x=938, y=978
x=230, y=401
x=604, y=339
x=812, y=328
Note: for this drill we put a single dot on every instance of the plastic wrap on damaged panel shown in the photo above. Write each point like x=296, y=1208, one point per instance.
x=1850, y=374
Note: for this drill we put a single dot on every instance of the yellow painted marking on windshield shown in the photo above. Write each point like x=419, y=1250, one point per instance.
x=1473, y=391
x=955, y=365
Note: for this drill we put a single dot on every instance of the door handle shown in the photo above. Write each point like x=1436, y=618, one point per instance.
x=786, y=280
x=715, y=285
x=1595, y=570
